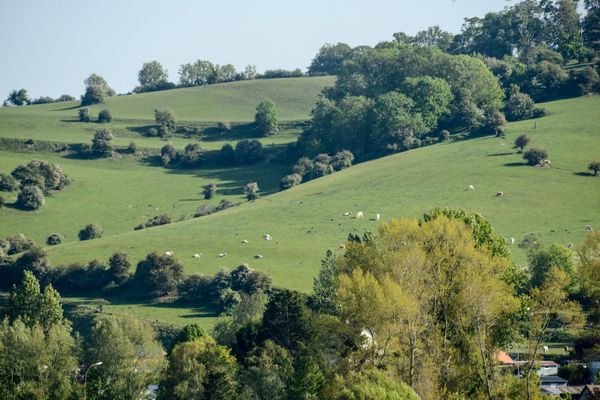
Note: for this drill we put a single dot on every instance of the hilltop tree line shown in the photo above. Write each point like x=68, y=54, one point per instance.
x=418, y=309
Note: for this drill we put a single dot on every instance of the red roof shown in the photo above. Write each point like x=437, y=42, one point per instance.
x=505, y=359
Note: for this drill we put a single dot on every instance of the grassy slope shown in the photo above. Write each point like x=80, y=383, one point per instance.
x=553, y=203
x=233, y=102
x=118, y=194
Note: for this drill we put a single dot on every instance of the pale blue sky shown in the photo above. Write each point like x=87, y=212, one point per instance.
x=50, y=46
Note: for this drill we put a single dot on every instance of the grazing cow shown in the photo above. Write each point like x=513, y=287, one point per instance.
x=266, y=236
x=348, y=214
x=359, y=214
x=258, y=257
x=196, y=255
x=168, y=253
x=342, y=246
x=471, y=188
x=377, y=217
x=546, y=349
x=512, y=240
x=569, y=245
x=588, y=228
x=499, y=194
x=244, y=241
x=222, y=254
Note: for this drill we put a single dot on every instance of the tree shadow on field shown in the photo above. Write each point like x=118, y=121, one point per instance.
x=515, y=164
x=68, y=108
x=583, y=174
x=194, y=310
x=506, y=153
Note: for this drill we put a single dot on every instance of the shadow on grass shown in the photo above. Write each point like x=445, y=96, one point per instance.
x=583, y=174
x=506, y=153
x=515, y=164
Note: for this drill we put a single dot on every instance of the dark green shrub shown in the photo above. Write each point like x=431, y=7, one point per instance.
x=444, y=135
x=194, y=288
x=90, y=231
x=158, y=275
x=251, y=191
x=290, y=181
x=8, y=183
x=104, y=116
x=209, y=191
x=131, y=148
x=227, y=154
x=535, y=156
x=157, y=220
x=342, y=160
x=519, y=106
x=265, y=118
x=84, y=114
x=594, y=166
x=521, y=142
x=102, y=143
x=248, y=151
x=17, y=244
x=166, y=121
x=54, y=239
x=30, y=198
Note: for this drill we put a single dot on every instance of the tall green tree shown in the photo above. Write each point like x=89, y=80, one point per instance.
x=265, y=119
x=199, y=369
x=152, y=76
x=131, y=358
x=18, y=97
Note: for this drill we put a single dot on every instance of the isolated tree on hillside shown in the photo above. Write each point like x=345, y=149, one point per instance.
x=18, y=97
x=84, y=114
x=209, y=191
x=30, y=198
x=248, y=151
x=90, y=231
x=329, y=59
x=96, y=90
x=166, y=121
x=159, y=275
x=521, y=142
x=594, y=167
x=535, y=156
x=251, y=191
x=152, y=76
x=265, y=118
x=104, y=116
x=102, y=143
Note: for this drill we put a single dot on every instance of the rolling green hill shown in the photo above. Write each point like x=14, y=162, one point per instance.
x=554, y=203
x=203, y=105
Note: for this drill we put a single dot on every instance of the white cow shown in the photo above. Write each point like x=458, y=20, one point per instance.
x=348, y=214
x=512, y=240
x=471, y=187
x=168, y=253
x=258, y=257
x=499, y=194
x=359, y=214
x=342, y=246
x=570, y=245
x=266, y=236
x=196, y=255
x=222, y=254
x=244, y=241
x=588, y=228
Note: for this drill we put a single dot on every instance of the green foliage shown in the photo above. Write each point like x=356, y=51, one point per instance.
x=166, y=121
x=90, y=232
x=18, y=97
x=152, y=76
x=102, y=143
x=119, y=268
x=227, y=154
x=37, y=364
x=158, y=275
x=589, y=266
x=30, y=198
x=104, y=116
x=199, y=369
x=483, y=233
x=84, y=114
x=268, y=371
x=189, y=333
x=54, y=239
x=289, y=181
x=251, y=190
x=371, y=384
x=16, y=244
x=96, y=90
x=265, y=119
x=248, y=151
x=329, y=59
x=209, y=191
x=519, y=106
x=157, y=220
x=33, y=307
x=131, y=358
x=521, y=142
x=535, y=156
x=286, y=319
x=131, y=148
x=8, y=183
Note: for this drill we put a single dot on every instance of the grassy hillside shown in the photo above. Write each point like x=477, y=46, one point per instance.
x=554, y=203
x=206, y=105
